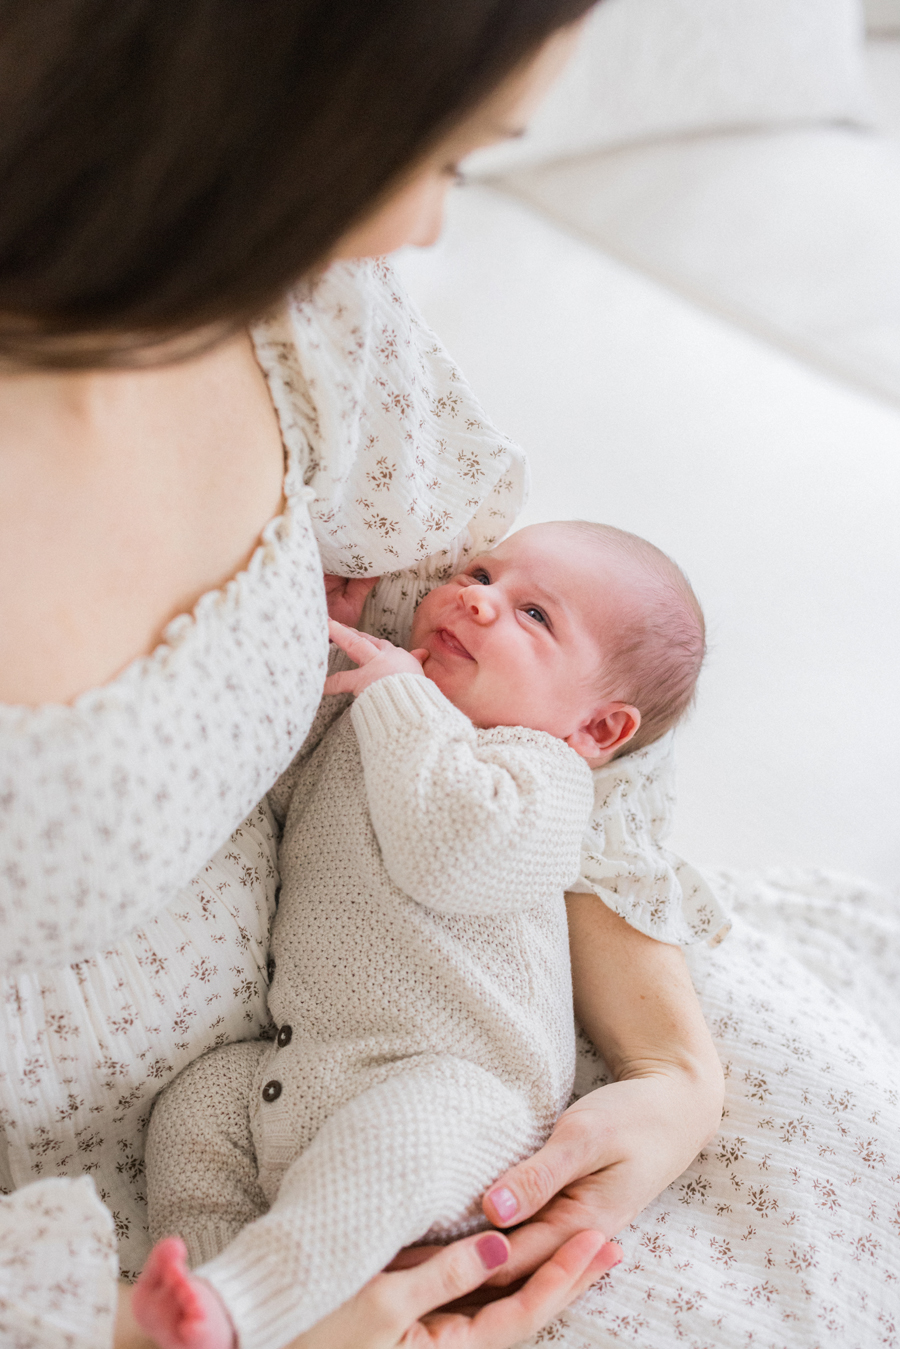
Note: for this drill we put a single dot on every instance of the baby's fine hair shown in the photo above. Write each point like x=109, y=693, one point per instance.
x=656, y=656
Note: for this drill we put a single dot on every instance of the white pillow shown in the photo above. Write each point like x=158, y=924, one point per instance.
x=883, y=16
x=793, y=233
x=651, y=68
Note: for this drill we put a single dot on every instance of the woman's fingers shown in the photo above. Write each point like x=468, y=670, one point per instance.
x=569, y=1153
x=410, y=1256
x=534, y=1243
x=575, y=1266
x=357, y=590
x=346, y=596
x=396, y=1310
x=400, y=1298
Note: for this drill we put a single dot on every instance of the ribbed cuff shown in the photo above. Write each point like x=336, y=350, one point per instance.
x=391, y=705
x=250, y=1283
x=206, y=1240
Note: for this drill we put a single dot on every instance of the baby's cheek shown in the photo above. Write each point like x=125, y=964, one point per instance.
x=428, y=607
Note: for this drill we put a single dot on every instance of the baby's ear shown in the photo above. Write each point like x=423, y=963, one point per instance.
x=611, y=727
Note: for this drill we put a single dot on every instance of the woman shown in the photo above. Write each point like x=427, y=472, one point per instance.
x=170, y=172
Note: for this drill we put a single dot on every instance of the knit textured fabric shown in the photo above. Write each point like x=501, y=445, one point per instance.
x=423, y=998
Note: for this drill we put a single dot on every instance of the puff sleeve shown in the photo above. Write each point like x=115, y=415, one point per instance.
x=623, y=860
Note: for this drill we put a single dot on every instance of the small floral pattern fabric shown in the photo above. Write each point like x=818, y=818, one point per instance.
x=57, y=1267
x=86, y=1050
x=137, y=873
x=137, y=881
x=623, y=860
x=785, y=1231
x=401, y=459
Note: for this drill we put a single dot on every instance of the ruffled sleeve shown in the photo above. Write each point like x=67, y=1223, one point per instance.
x=405, y=467
x=624, y=863
x=407, y=477
x=58, y=1267
x=410, y=480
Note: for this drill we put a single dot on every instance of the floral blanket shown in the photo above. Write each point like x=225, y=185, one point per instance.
x=785, y=1232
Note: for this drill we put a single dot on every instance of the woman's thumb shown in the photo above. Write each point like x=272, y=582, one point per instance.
x=449, y=1274
x=525, y=1189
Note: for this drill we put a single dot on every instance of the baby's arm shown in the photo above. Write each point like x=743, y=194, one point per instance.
x=618, y=1147
x=468, y=822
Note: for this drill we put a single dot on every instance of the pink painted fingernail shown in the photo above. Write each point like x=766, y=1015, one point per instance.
x=492, y=1250
x=613, y=1248
x=505, y=1204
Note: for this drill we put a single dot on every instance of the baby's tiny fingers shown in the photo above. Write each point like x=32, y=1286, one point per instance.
x=342, y=682
x=358, y=645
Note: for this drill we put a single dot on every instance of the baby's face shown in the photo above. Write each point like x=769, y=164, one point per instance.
x=517, y=638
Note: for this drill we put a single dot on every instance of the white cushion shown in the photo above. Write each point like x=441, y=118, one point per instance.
x=796, y=234
x=883, y=16
x=883, y=67
x=648, y=68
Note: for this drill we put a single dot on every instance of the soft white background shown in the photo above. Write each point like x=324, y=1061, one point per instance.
x=776, y=487
x=777, y=490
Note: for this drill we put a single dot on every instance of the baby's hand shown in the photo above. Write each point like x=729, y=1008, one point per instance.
x=375, y=657
x=345, y=597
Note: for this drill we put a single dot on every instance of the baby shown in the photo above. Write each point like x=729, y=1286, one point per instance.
x=422, y=989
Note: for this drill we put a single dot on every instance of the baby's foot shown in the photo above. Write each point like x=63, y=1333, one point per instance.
x=176, y=1309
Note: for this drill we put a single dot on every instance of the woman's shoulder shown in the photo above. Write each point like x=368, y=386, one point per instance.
x=397, y=449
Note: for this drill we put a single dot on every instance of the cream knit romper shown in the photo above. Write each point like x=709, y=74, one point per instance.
x=423, y=1001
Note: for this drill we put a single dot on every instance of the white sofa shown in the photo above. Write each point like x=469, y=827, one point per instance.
x=693, y=327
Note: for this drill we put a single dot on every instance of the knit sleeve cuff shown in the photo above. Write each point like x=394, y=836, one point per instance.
x=58, y=1266
x=393, y=705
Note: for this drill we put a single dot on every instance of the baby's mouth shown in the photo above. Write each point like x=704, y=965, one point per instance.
x=452, y=644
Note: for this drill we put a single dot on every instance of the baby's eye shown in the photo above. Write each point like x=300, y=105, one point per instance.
x=537, y=614
x=481, y=576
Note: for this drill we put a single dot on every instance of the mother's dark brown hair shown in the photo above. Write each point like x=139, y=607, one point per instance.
x=168, y=165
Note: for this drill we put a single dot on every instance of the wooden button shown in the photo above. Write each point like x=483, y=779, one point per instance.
x=271, y=1091
x=284, y=1037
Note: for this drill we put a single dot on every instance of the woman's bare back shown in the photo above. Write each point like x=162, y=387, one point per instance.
x=124, y=496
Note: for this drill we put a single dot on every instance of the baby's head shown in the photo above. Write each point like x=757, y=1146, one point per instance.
x=581, y=630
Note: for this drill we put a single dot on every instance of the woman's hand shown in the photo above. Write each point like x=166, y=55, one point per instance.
x=375, y=658
x=617, y=1148
x=345, y=597
x=396, y=1310
x=611, y=1153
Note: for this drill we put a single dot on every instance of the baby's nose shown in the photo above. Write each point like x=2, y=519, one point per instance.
x=479, y=603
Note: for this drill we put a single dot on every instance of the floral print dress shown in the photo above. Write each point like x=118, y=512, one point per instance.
x=138, y=879
x=137, y=867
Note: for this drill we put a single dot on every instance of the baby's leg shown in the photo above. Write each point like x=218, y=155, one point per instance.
x=201, y=1164
x=408, y=1156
